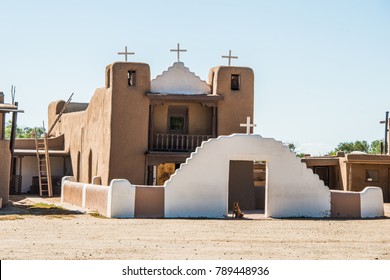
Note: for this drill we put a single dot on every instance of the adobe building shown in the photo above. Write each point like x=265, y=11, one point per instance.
x=6, y=149
x=133, y=124
x=353, y=172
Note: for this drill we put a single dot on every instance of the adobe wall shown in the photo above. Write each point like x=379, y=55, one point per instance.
x=149, y=202
x=199, y=118
x=55, y=143
x=365, y=204
x=343, y=174
x=87, y=136
x=129, y=122
x=345, y=204
x=2, y=117
x=96, y=198
x=358, y=178
x=116, y=200
x=5, y=162
x=237, y=104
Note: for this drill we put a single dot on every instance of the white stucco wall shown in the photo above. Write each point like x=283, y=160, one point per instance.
x=200, y=187
x=371, y=202
x=120, y=196
x=178, y=79
x=30, y=169
x=121, y=199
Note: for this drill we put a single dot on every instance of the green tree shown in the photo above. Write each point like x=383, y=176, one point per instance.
x=293, y=148
x=362, y=146
x=23, y=131
x=375, y=147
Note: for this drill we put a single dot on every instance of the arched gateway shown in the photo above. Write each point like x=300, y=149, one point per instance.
x=200, y=187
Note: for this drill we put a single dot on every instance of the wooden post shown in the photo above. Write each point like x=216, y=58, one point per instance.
x=214, y=123
x=48, y=169
x=386, y=133
x=12, y=140
x=151, y=127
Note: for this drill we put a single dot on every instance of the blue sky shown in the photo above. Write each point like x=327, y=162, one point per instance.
x=322, y=68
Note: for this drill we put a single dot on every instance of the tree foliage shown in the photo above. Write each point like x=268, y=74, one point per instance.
x=24, y=131
x=362, y=146
x=293, y=148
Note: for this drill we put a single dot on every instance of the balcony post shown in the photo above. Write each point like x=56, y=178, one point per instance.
x=151, y=126
x=214, y=123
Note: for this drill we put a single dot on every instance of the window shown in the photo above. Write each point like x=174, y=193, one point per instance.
x=177, y=120
x=235, y=82
x=372, y=175
x=108, y=78
x=131, y=78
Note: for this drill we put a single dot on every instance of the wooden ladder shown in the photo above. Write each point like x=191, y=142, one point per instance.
x=44, y=171
x=43, y=160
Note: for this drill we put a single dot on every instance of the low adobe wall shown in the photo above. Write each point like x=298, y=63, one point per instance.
x=365, y=204
x=149, y=202
x=114, y=201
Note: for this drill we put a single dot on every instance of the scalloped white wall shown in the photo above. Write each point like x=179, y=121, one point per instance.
x=178, y=79
x=200, y=187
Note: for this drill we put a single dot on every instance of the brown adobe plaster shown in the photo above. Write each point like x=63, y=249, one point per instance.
x=237, y=104
x=109, y=137
x=4, y=171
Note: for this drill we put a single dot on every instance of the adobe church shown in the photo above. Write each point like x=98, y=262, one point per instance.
x=134, y=124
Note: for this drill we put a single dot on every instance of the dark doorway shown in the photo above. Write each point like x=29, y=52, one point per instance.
x=323, y=173
x=247, y=183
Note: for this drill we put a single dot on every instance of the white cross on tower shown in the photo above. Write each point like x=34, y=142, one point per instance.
x=229, y=57
x=125, y=53
x=248, y=125
x=178, y=50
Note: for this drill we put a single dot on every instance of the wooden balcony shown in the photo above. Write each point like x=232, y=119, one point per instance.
x=178, y=142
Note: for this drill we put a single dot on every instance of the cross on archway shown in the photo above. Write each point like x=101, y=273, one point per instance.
x=248, y=125
x=125, y=53
x=178, y=50
x=229, y=57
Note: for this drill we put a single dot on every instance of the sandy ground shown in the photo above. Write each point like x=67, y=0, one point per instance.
x=37, y=232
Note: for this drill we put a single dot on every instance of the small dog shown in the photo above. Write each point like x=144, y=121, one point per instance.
x=237, y=211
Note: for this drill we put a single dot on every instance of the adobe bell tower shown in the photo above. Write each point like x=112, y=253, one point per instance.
x=236, y=85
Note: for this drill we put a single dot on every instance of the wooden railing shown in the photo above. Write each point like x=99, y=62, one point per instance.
x=178, y=142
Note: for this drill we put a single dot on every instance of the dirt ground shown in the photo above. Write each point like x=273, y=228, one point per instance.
x=31, y=230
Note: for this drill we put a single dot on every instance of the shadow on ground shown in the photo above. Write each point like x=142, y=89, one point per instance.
x=20, y=205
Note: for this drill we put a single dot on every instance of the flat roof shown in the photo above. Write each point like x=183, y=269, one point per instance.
x=7, y=108
x=28, y=152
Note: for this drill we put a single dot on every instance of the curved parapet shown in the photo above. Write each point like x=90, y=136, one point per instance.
x=371, y=202
x=200, y=187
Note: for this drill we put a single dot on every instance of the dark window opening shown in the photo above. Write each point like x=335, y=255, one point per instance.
x=131, y=78
x=108, y=78
x=176, y=123
x=372, y=175
x=177, y=120
x=235, y=82
x=323, y=173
